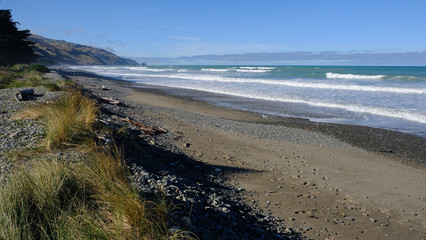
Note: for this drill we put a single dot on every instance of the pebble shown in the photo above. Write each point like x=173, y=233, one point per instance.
x=219, y=210
x=174, y=229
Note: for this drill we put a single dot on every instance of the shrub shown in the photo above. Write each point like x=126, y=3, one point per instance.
x=39, y=68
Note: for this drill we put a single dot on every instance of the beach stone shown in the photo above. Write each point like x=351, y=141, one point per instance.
x=185, y=221
x=174, y=229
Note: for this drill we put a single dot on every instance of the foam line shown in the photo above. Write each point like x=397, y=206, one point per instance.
x=387, y=112
x=352, y=76
x=282, y=83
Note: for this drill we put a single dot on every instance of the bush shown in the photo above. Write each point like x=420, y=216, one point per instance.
x=39, y=68
x=7, y=77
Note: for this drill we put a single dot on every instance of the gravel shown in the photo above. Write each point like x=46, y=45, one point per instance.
x=19, y=135
x=202, y=200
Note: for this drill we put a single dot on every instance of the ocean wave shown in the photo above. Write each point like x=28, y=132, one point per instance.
x=215, y=69
x=252, y=70
x=386, y=112
x=158, y=69
x=261, y=68
x=299, y=84
x=352, y=76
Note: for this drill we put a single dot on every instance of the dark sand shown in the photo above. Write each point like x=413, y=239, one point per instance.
x=328, y=180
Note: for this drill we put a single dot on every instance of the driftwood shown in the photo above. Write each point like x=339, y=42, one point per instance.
x=110, y=101
x=105, y=88
x=24, y=95
x=144, y=128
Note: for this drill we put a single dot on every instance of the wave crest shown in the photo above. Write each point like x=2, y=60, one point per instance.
x=352, y=76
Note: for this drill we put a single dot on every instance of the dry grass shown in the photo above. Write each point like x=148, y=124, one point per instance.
x=55, y=200
x=94, y=200
x=68, y=121
x=89, y=199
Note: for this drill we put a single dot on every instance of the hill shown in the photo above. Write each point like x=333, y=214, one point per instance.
x=299, y=58
x=54, y=52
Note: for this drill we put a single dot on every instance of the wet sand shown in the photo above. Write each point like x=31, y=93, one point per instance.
x=325, y=180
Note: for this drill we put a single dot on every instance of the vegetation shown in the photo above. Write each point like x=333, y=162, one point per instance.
x=52, y=51
x=68, y=121
x=13, y=45
x=23, y=75
x=88, y=199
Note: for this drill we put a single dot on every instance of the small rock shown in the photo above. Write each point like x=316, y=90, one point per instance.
x=174, y=229
x=225, y=209
x=185, y=221
x=13, y=135
x=306, y=228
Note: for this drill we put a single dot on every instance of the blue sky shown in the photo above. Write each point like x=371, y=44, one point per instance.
x=172, y=28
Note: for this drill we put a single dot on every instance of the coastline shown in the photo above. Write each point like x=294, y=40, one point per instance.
x=403, y=147
x=300, y=171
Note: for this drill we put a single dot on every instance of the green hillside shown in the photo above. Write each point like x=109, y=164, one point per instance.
x=53, y=52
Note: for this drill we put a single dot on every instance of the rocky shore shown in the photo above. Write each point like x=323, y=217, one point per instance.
x=235, y=175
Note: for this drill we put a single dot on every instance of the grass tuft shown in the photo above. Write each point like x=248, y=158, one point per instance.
x=88, y=199
x=50, y=199
x=44, y=202
x=68, y=121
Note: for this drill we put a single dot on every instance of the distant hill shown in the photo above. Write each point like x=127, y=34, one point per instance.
x=54, y=52
x=299, y=58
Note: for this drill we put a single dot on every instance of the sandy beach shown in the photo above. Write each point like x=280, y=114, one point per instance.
x=326, y=181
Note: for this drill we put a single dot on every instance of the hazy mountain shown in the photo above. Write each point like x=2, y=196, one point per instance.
x=53, y=52
x=299, y=58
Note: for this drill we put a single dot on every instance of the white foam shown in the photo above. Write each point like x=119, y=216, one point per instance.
x=215, y=69
x=267, y=68
x=248, y=67
x=158, y=70
x=386, y=112
x=252, y=70
x=352, y=76
x=258, y=68
x=294, y=83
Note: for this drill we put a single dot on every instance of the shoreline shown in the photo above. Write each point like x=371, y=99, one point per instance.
x=296, y=170
x=403, y=147
x=407, y=148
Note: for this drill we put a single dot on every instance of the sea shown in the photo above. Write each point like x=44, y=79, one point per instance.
x=381, y=97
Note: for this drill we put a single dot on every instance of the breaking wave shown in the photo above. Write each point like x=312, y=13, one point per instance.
x=299, y=84
x=410, y=116
x=352, y=76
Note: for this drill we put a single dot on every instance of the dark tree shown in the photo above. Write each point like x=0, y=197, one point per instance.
x=13, y=45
